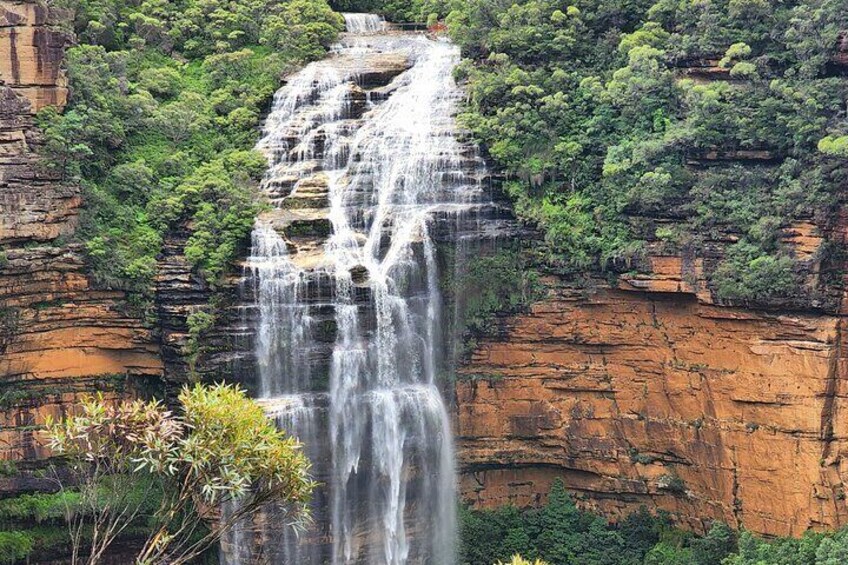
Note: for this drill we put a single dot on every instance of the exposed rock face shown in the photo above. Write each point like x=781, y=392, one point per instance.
x=222, y=352
x=59, y=334
x=652, y=393
x=33, y=52
x=664, y=399
x=657, y=392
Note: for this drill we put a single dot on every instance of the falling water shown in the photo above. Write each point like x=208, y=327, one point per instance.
x=364, y=23
x=349, y=329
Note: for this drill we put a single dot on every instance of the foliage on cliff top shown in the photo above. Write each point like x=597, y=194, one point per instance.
x=166, y=99
x=609, y=143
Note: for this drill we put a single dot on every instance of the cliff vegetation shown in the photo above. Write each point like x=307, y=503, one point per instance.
x=683, y=124
x=560, y=533
x=166, y=99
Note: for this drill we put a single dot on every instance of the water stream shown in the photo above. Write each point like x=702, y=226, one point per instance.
x=349, y=335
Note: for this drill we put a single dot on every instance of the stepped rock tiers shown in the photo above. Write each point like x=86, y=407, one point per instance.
x=653, y=393
x=646, y=393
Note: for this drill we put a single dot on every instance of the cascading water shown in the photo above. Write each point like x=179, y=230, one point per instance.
x=364, y=23
x=371, y=173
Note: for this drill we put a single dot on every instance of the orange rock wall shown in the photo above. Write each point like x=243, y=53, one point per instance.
x=59, y=334
x=32, y=53
x=639, y=398
x=648, y=395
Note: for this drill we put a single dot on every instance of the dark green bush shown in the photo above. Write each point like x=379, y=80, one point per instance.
x=750, y=274
x=560, y=534
x=15, y=546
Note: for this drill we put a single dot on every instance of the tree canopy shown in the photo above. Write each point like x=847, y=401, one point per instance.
x=219, y=448
x=166, y=99
x=705, y=127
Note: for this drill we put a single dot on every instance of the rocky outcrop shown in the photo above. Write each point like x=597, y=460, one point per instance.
x=33, y=49
x=60, y=334
x=656, y=391
x=219, y=353
x=653, y=392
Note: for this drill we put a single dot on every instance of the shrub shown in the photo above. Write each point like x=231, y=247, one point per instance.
x=221, y=448
x=15, y=546
x=750, y=274
x=518, y=560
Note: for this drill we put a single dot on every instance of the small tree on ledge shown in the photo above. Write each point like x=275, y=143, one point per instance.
x=136, y=462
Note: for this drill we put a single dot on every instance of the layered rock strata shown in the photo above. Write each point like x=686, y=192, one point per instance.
x=649, y=393
x=60, y=334
x=655, y=392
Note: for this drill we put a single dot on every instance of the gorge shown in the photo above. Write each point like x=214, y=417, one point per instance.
x=595, y=243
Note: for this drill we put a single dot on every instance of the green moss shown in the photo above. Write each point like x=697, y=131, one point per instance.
x=488, y=377
x=8, y=468
x=49, y=304
x=502, y=283
x=14, y=394
x=9, y=323
x=309, y=228
x=672, y=483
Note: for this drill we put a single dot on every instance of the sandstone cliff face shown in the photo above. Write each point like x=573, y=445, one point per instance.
x=33, y=50
x=647, y=394
x=59, y=334
x=652, y=394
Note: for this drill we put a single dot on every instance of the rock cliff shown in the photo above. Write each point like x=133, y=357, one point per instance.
x=651, y=392
x=59, y=334
x=647, y=393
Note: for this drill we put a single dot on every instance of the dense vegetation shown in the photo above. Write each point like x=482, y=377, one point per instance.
x=607, y=142
x=610, y=144
x=33, y=526
x=560, y=534
x=166, y=98
x=502, y=281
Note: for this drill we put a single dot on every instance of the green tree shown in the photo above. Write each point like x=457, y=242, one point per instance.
x=584, y=108
x=219, y=448
x=163, y=96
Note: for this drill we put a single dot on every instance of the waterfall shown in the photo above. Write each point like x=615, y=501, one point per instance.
x=366, y=180
x=363, y=23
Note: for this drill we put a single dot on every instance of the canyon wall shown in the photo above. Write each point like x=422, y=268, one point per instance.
x=59, y=334
x=651, y=393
